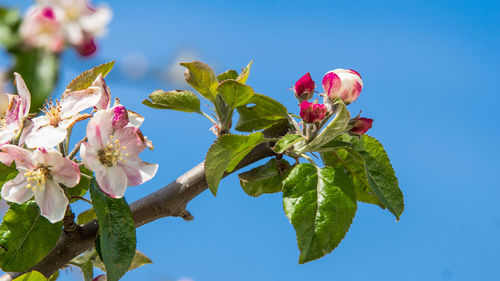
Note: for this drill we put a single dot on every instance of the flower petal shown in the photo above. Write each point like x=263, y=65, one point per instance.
x=99, y=128
x=129, y=138
x=138, y=172
x=90, y=158
x=73, y=102
x=47, y=136
x=24, y=94
x=16, y=191
x=52, y=201
x=6, y=135
x=22, y=157
x=105, y=99
x=112, y=181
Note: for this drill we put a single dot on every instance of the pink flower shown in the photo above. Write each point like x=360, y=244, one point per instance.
x=345, y=84
x=51, y=128
x=41, y=29
x=40, y=173
x=312, y=112
x=112, y=152
x=81, y=22
x=13, y=110
x=304, y=87
x=362, y=125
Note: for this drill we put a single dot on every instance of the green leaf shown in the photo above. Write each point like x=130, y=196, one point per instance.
x=341, y=158
x=243, y=77
x=234, y=93
x=7, y=173
x=336, y=127
x=264, y=113
x=286, y=142
x=31, y=276
x=264, y=179
x=54, y=276
x=139, y=260
x=85, y=261
x=39, y=70
x=321, y=204
x=201, y=77
x=86, y=216
x=180, y=100
x=86, y=78
x=82, y=187
x=25, y=237
x=225, y=154
x=380, y=174
x=116, y=232
x=9, y=25
x=229, y=74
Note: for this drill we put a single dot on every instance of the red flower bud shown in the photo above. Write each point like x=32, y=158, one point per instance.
x=362, y=125
x=304, y=87
x=87, y=47
x=312, y=112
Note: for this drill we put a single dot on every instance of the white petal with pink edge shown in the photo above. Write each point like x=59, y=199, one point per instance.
x=52, y=201
x=112, y=181
x=138, y=172
x=16, y=191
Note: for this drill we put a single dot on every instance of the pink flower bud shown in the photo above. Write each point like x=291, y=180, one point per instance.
x=345, y=84
x=120, y=118
x=304, y=87
x=362, y=125
x=312, y=112
x=87, y=47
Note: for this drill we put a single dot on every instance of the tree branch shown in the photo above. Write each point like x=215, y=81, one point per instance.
x=170, y=200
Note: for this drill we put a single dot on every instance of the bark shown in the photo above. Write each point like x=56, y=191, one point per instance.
x=170, y=200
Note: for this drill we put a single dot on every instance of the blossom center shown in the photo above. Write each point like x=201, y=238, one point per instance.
x=52, y=111
x=37, y=177
x=112, y=152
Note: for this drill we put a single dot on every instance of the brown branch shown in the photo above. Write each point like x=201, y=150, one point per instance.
x=170, y=200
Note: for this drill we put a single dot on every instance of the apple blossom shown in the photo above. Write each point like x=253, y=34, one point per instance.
x=81, y=22
x=40, y=173
x=112, y=152
x=41, y=29
x=345, y=84
x=312, y=112
x=13, y=110
x=361, y=125
x=51, y=128
x=304, y=87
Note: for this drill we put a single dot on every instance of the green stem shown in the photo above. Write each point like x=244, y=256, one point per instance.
x=208, y=117
x=309, y=159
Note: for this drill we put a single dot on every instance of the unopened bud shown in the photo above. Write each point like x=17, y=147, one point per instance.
x=312, y=112
x=345, y=84
x=304, y=87
x=361, y=125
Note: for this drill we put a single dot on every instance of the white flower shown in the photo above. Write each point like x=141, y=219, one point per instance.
x=40, y=173
x=51, y=128
x=112, y=152
x=41, y=29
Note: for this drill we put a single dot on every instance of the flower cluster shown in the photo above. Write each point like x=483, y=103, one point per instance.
x=343, y=84
x=39, y=146
x=51, y=24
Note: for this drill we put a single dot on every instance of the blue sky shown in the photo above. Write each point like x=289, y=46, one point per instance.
x=430, y=72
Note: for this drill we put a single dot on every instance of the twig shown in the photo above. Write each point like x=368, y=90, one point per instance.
x=170, y=200
x=77, y=148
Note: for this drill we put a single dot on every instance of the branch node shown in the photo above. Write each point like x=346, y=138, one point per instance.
x=69, y=221
x=186, y=215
